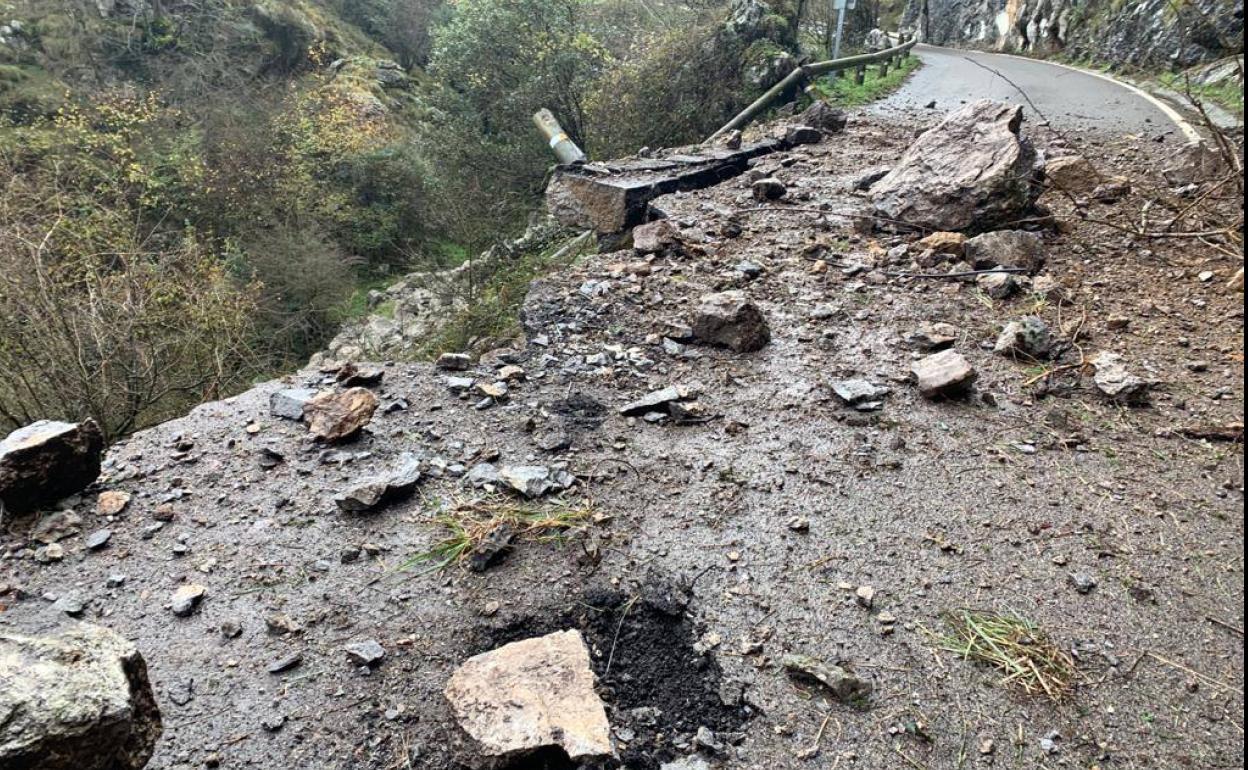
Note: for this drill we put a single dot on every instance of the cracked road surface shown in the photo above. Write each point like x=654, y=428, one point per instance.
x=1074, y=102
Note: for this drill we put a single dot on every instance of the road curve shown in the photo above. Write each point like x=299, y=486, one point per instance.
x=1073, y=101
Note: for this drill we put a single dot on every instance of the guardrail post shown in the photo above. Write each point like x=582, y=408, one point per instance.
x=860, y=74
x=564, y=148
x=884, y=69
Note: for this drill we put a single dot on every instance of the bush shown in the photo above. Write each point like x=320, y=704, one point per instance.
x=108, y=307
x=128, y=337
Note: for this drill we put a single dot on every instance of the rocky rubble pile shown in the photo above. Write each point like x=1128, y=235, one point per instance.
x=620, y=541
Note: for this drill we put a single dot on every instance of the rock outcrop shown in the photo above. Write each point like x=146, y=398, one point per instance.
x=80, y=700
x=46, y=461
x=973, y=171
x=1147, y=33
x=1150, y=33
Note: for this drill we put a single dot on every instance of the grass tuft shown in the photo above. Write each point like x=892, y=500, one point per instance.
x=471, y=521
x=844, y=92
x=1016, y=646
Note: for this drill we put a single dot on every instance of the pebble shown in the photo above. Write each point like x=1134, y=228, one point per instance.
x=98, y=539
x=865, y=596
x=285, y=663
x=366, y=653
x=187, y=599
x=1083, y=582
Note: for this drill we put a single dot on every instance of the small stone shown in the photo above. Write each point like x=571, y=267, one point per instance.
x=1083, y=582
x=1117, y=323
x=454, y=362
x=115, y=580
x=395, y=484
x=865, y=596
x=459, y=385
x=280, y=625
x=656, y=237
x=997, y=285
x=511, y=374
x=943, y=374
x=855, y=392
x=933, y=337
x=71, y=605
x=768, y=189
x=842, y=684
x=187, y=599
x=824, y=117
x=658, y=401
x=799, y=135
x=288, y=403
x=98, y=539
x=948, y=243
x=1028, y=336
x=987, y=746
x=534, y=480
x=1006, y=248
x=730, y=320
x=231, y=629
x=366, y=653
x=286, y=663
x=333, y=416
x=111, y=502
x=1114, y=379
x=352, y=375
x=799, y=524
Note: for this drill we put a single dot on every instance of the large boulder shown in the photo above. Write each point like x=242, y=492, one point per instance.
x=972, y=172
x=529, y=697
x=80, y=700
x=46, y=461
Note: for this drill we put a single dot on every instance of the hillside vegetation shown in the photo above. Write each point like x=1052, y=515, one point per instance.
x=195, y=192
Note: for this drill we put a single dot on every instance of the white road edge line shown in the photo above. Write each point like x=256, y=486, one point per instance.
x=1187, y=128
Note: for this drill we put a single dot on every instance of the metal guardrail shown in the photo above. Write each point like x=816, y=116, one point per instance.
x=859, y=64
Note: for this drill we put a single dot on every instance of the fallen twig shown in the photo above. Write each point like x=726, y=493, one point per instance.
x=964, y=274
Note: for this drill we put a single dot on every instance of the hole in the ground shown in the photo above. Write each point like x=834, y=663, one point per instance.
x=659, y=689
x=552, y=758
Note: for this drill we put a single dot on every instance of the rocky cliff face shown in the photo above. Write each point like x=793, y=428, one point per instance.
x=1148, y=33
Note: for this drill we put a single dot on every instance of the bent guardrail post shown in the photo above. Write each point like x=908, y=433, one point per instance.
x=801, y=73
x=564, y=148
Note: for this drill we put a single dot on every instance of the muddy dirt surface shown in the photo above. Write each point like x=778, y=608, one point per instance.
x=991, y=502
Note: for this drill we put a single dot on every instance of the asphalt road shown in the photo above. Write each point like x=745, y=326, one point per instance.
x=1072, y=101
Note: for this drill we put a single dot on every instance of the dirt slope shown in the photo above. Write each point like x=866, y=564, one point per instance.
x=993, y=502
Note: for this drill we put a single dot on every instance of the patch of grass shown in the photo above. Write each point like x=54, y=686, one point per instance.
x=356, y=305
x=1227, y=94
x=1016, y=646
x=493, y=307
x=470, y=522
x=844, y=92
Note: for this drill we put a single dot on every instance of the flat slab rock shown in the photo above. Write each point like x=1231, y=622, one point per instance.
x=46, y=461
x=527, y=696
x=80, y=700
